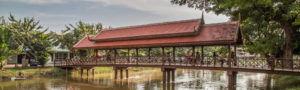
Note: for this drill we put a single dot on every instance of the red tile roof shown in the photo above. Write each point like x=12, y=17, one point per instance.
x=149, y=31
x=209, y=34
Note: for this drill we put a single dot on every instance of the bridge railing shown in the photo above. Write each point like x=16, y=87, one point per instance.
x=238, y=62
x=59, y=62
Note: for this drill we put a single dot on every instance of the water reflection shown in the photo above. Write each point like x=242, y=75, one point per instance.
x=146, y=80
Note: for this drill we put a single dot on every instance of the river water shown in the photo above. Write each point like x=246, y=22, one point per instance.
x=148, y=79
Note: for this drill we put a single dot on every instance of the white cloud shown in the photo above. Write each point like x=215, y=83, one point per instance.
x=163, y=8
x=44, y=14
x=39, y=2
x=156, y=6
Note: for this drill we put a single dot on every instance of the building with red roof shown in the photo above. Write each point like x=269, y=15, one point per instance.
x=168, y=34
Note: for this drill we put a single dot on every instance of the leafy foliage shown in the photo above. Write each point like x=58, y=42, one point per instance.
x=4, y=40
x=31, y=36
x=73, y=33
x=266, y=39
x=267, y=16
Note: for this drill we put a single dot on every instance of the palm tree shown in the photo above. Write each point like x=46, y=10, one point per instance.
x=73, y=33
x=4, y=40
x=31, y=36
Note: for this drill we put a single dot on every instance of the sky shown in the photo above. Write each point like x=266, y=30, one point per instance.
x=55, y=14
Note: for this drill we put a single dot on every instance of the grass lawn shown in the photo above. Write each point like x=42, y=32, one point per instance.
x=30, y=72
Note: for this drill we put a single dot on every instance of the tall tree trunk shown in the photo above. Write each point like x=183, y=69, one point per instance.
x=288, y=50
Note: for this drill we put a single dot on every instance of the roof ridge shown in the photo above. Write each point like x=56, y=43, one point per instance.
x=229, y=22
x=151, y=24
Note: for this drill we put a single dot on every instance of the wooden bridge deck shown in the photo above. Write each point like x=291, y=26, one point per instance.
x=242, y=64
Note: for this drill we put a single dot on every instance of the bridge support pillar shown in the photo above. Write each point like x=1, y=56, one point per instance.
x=231, y=80
x=164, y=76
x=87, y=73
x=167, y=73
x=121, y=72
x=116, y=74
x=93, y=72
x=127, y=74
x=81, y=73
x=173, y=75
x=168, y=76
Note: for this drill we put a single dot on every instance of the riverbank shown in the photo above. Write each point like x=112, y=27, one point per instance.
x=52, y=72
x=31, y=72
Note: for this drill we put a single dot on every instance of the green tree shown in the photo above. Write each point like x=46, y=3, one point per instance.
x=4, y=40
x=285, y=13
x=266, y=39
x=73, y=33
x=32, y=37
x=41, y=45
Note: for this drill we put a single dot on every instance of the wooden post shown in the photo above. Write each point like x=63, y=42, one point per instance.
x=115, y=56
x=128, y=52
x=235, y=59
x=116, y=73
x=53, y=55
x=174, y=49
x=121, y=73
x=149, y=53
x=127, y=73
x=193, y=55
x=168, y=75
x=235, y=50
x=202, y=55
x=95, y=55
x=163, y=55
x=137, y=55
x=173, y=75
x=229, y=55
x=87, y=73
x=68, y=56
x=81, y=72
x=110, y=55
x=164, y=76
x=93, y=72
x=232, y=75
